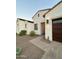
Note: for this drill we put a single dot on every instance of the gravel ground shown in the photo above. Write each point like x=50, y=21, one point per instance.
x=29, y=51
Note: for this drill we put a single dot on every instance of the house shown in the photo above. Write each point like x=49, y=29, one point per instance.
x=23, y=24
x=46, y=21
x=30, y=27
x=20, y=25
x=39, y=21
x=53, y=23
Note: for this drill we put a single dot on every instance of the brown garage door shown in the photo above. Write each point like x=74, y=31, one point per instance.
x=57, y=32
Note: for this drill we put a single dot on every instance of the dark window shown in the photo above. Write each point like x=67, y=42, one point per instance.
x=25, y=25
x=35, y=27
x=43, y=16
x=47, y=21
x=38, y=15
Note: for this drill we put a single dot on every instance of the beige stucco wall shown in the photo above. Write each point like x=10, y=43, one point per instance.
x=20, y=25
x=54, y=13
x=30, y=27
x=39, y=20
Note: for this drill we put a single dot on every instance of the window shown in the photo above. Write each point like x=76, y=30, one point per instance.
x=35, y=27
x=38, y=15
x=43, y=16
x=47, y=21
x=25, y=25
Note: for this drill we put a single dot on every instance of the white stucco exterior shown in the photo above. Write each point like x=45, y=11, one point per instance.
x=20, y=25
x=52, y=14
x=38, y=20
x=24, y=25
x=30, y=27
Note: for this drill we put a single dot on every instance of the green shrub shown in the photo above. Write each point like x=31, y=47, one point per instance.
x=18, y=51
x=32, y=33
x=16, y=33
x=23, y=32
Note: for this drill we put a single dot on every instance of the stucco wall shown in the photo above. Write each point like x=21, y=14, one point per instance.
x=39, y=20
x=54, y=13
x=30, y=27
x=20, y=25
x=48, y=30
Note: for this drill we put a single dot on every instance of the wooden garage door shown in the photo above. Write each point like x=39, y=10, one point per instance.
x=57, y=32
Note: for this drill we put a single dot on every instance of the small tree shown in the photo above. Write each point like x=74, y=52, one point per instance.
x=23, y=32
x=32, y=33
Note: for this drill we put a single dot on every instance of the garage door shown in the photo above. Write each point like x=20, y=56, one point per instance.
x=57, y=31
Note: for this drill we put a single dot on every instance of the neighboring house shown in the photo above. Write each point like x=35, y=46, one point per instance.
x=39, y=21
x=30, y=26
x=23, y=24
x=53, y=23
x=20, y=25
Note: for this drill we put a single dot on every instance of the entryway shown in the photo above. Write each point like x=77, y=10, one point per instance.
x=43, y=28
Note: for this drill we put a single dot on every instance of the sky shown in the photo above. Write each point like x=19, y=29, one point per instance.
x=27, y=8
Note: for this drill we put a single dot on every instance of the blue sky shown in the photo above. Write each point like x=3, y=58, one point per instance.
x=27, y=8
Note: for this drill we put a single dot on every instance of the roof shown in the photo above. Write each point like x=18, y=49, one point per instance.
x=21, y=19
x=53, y=7
x=24, y=20
x=41, y=10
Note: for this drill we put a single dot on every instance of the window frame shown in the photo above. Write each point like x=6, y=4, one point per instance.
x=35, y=26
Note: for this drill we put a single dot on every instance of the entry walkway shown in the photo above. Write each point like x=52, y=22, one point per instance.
x=55, y=52
x=42, y=45
x=52, y=50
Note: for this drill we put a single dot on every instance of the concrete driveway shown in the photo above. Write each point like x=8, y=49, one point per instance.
x=53, y=50
x=29, y=51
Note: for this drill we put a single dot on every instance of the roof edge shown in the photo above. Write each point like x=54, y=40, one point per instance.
x=25, y=20
x=41, y=10
x=53, y=7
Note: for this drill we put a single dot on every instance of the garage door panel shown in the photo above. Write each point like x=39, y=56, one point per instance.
x=57, y=32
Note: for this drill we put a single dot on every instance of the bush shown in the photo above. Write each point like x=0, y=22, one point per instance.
x=32, y=33
x=16, y=33
x=18, y=51
x=23, y=32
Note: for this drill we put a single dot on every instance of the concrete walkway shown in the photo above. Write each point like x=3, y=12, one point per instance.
x=53, y=53
x=42, y=45
x=52, y=50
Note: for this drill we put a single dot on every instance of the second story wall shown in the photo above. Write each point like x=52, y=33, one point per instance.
x=38, y=17
x=55, y=12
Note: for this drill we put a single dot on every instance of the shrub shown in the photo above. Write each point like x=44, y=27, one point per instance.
x=18, y=51
x=16, y=33
x=23, y=32
x=32, y=33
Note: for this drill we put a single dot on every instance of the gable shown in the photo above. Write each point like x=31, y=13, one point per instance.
x=55, y=12
x=40, y=11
